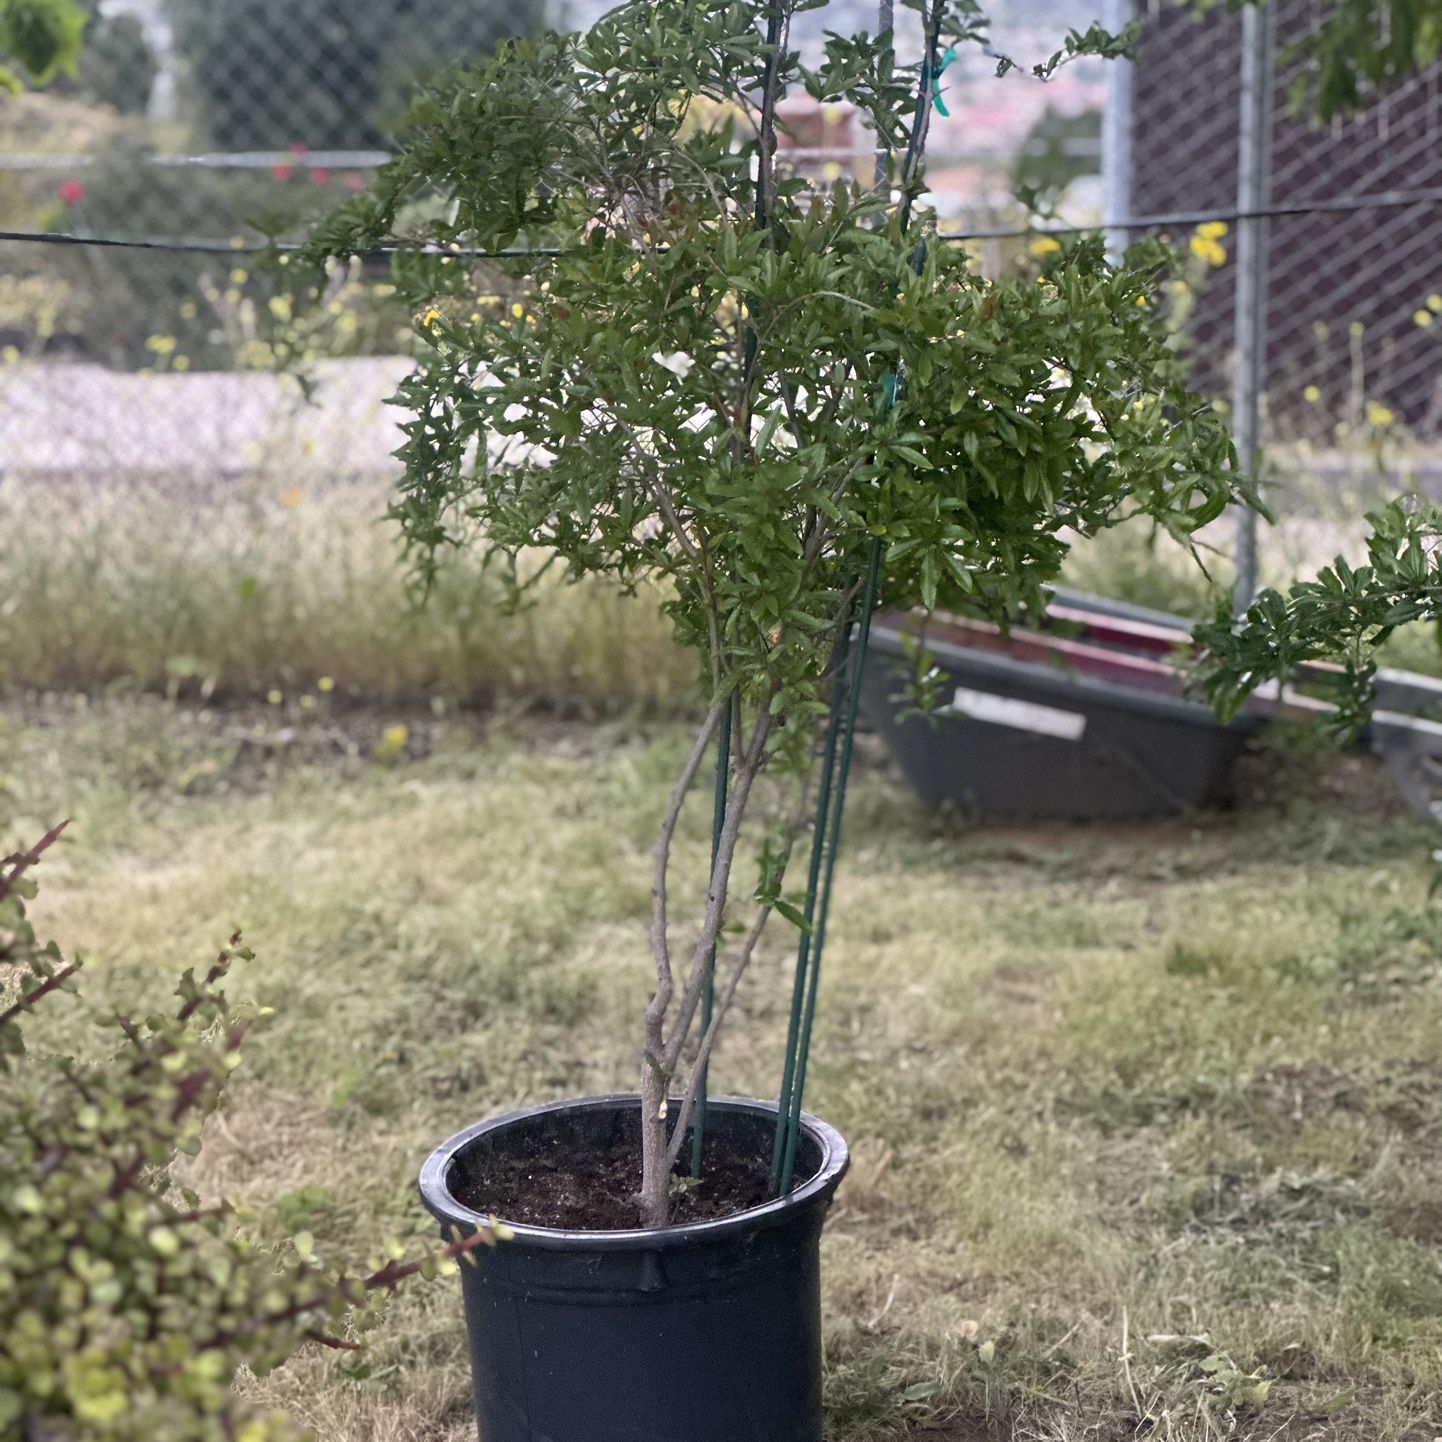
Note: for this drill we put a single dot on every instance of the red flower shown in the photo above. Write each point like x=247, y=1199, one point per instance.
x=72, y=192
x=355, y=181
x=282, y=172
x=320, y=175
x=299, y=149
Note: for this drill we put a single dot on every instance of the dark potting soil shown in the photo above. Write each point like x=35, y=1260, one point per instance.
x=545, y=1181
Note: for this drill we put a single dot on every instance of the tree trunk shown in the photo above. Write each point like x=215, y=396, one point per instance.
x=655, y=1196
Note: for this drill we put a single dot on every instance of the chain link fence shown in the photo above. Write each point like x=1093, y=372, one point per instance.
x=150, y=373
x=1349, y=359
x=219, y=123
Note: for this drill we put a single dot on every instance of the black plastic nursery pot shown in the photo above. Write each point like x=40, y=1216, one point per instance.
x=704, y=1332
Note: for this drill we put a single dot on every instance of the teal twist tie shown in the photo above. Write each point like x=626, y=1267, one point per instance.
x=936, y=99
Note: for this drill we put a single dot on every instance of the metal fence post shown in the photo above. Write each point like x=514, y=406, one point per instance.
x=1117, y=120
x=1254, y=186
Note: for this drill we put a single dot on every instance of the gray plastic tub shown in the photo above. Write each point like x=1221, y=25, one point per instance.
x=1033, y=739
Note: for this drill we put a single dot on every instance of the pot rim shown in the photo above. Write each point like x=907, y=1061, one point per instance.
x=817, y=1189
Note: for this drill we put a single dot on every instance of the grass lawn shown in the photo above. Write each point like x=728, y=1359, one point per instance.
x=1146, y=1120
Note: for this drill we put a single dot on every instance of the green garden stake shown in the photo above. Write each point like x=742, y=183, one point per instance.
x=723, y=757
x=813, y=879
x=841, y=730
x=833, y=845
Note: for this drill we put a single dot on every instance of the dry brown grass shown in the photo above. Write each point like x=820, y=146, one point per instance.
x=1104, y=1085
x=242, y=586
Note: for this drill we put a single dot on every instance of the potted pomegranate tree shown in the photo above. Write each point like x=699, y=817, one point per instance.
x=779, y=405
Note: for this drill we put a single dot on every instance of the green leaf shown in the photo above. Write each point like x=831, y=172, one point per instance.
x=42, y=36
x=930, y=575
x=920, y=1391
x=792, y=913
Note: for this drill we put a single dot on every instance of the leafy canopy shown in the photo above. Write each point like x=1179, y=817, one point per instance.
x=39, y=39
x=736, y=410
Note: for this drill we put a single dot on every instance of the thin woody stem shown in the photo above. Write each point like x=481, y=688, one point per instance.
x=716, y=895
x=660, y=941
x=692, y=1090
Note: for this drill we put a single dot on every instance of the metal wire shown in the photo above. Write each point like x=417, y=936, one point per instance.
x=1160, y=220
x=119, y=262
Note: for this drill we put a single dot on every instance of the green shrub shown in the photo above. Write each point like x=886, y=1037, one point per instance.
x=127, y=1303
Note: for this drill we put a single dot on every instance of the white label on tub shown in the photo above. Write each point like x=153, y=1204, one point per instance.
x=1022, y=715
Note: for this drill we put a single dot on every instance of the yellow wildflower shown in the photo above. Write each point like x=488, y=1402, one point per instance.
x=1379, y=417
x=1424, y=318
x=518, y=310
x=393, y=742
x=238, y=276
x=326, y=683
x=160, y=344
x=1312, y=394
x=1205, y=248
x=1434, y=304
x=430, y=318
x=1044, y=245
x=1213, y=230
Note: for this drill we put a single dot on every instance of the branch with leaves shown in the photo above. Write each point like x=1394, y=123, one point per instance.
x=1342, y=617
x=127, y=1304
